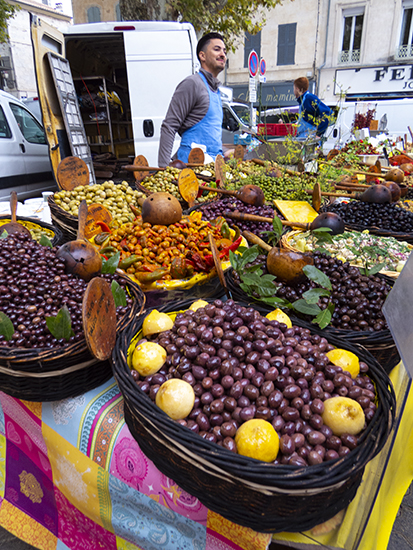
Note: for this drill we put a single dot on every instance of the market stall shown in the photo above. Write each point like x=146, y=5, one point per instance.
x=138, y=291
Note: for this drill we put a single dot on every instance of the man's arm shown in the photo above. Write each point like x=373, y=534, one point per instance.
x=187, y=107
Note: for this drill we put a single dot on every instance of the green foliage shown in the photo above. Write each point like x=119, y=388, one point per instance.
x=6, y=326
x=231, y=18
x=60, y=325
x=110, y=265
x=6, y=12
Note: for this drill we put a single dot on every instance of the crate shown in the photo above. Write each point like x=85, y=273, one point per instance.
x=285, y=130
x=267, y=129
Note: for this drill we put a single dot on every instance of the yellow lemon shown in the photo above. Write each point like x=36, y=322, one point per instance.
x=343, y=415
x=196, y=305
x=176, y=398
x=258, y=439
x=148, y=358
x=156, y=322
x=280, y=316
x=346, y=360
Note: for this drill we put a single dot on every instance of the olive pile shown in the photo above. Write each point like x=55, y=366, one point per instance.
x=33, y=286
x=115, y=198
x=368, y=214
x=213, y=209
x=243, y=366
x=166, y=181
x=358, y=299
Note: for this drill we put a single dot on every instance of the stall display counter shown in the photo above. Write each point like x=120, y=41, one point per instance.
x=73, y=478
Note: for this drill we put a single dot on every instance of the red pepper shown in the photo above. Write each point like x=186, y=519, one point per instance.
x=103, y=256
x=209, y=260
x=104, y=226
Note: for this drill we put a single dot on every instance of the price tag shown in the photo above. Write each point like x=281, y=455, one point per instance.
x=239, y=151
x=95, y=213
x=140, y=160
x=188, y=185
x=397, y=310
x=220, y=170
x=196, y=156
x=72, y=172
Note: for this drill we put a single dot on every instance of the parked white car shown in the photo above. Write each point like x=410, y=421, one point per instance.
x=24, y=155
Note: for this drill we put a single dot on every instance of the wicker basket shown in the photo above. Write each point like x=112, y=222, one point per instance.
x=380, y=343
x=56, y=240
x=52, y=374
x=286, y=243
x=251, y=493
x=67, y=223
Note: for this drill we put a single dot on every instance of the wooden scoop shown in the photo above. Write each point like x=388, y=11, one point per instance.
x=80, y=256
x=378, y=194
x=286, y=265
x=218, y=266
x=99, y=318
x=189, y=187
x=14, y=227
x=72, y=172
x=335, y=222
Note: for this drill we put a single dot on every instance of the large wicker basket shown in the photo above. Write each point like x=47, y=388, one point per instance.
x=254, y=494
x=67, y=223
x=379, y=343
x=51, y=374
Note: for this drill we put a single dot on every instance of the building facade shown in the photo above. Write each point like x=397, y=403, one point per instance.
x=17, y=74
x=360, y=48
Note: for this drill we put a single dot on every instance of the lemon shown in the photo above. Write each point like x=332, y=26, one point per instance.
x=176, y=398
x=258, y=439
x=280, y=316
x=148, y=358
x=156, y=322
x=196, y=305
x=346, y=360
x=343, y=415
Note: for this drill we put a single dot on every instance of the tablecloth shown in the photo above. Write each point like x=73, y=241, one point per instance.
x=73, y=478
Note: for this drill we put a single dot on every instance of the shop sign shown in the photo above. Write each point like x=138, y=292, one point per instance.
x=374, y=80
x=273, y=94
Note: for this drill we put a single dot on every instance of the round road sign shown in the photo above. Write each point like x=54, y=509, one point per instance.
x=253, y=63
x=263, y=66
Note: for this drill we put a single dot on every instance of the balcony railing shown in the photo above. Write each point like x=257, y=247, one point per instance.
x=404, y=52
x=349, y=56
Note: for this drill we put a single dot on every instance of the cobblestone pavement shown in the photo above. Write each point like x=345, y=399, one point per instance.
x=401, y=537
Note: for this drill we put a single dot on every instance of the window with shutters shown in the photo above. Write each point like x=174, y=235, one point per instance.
x=252, y=42
x=286, y=44
x=352, y=33
x=405, y=48
x=93, y=14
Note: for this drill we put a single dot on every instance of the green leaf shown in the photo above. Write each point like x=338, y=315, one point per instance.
x=118, y=294
x=234, y=259
x=4, y=235
x=313, y=295
x=376, y=268
x=6, y=326
x=278, y=226
x=44, y=241
x=273, y=300
x=110, y=265
x=303, y=307
x=323, y=319
x=317, y=276
x=249, y=256
x=61, y=325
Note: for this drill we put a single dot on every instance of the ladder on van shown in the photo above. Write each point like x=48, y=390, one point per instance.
x=66, y=93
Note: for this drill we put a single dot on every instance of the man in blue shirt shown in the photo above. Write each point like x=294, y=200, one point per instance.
x=314, y=116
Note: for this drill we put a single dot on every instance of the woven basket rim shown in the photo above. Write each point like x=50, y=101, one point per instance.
x=282, y=475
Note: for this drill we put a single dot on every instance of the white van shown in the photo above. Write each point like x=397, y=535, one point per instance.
x=24, y=157
x=115, y=77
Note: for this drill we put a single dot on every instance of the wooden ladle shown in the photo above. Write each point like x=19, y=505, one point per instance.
x=189, y=186
x=14, y=227
x=334, y=221
x=285, y=264
x=80, y=256
x=379, y=194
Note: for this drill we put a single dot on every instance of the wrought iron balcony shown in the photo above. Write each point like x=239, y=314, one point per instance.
x=349, y=56
x=404, y=52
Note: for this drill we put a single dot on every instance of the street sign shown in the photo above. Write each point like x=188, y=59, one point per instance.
x=253, y=63
x=263, y=66
x=252, y=90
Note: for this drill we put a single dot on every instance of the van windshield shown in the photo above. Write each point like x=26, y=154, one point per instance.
x=242, y=112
